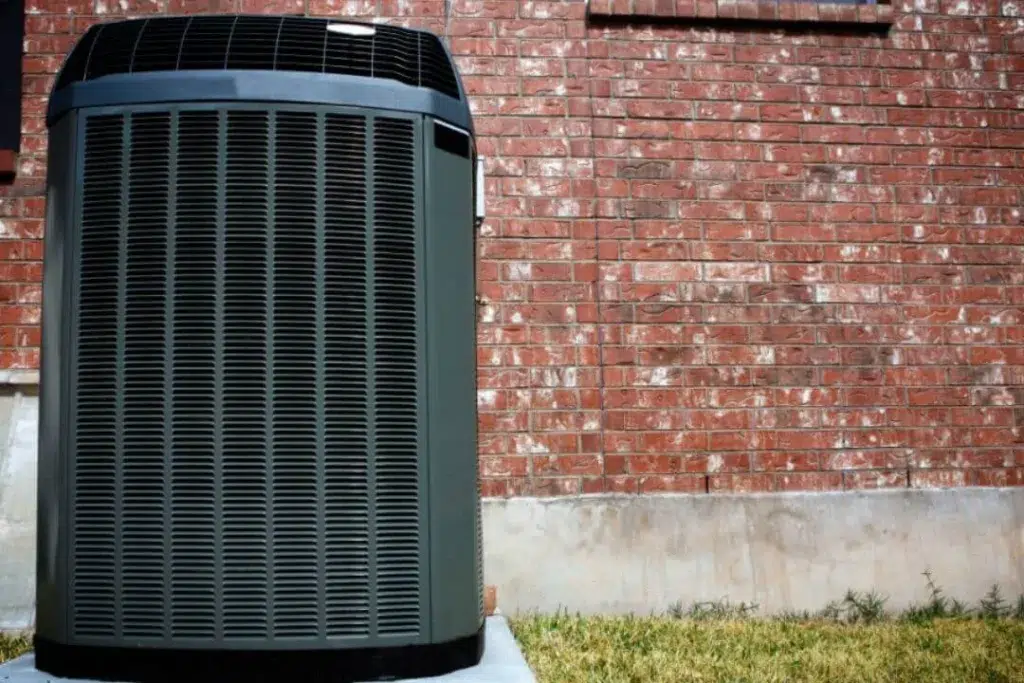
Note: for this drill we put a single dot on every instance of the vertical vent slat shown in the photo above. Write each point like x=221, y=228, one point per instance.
x=346, y=383
x=269, y=419
x=295, y=375
x=193, y=413
x=395, y=380
x=143, y=362
x=95, y=439
x=246, y=509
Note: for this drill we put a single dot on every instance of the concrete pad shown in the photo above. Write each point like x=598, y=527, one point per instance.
x=502, y=663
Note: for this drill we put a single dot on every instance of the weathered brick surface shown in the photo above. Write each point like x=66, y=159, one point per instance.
x=716, y=259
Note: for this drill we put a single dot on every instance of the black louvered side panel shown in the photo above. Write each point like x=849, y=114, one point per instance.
x=145, y=290
x=73, y=69
x=96, y=436
x=193, y=415
x=254, y=43
x=436, y=71
x=346, y=381
x=247, y=433
x=296, y=415
x=113, y=49
x=158, y=45
x=348, y=55
x=396, y=55
x=300, y=45
x=205, y=44
x=260, y=42
x=395, y=380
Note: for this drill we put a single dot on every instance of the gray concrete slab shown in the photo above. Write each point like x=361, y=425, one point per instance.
x=502, y=663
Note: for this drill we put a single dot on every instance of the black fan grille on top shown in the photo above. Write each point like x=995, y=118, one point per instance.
x=245, y=433
x=262, y=43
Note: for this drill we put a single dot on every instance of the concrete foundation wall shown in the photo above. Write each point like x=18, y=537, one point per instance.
x=781, y=551
x=18, y=424
x=644, y=553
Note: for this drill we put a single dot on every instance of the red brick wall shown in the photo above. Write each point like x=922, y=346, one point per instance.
x=718, y=258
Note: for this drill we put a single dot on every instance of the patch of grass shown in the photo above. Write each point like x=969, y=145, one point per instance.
x=993, y=605
x=938, y=605
x=858, y=608
x=575, y=649
x=12, y=646
x=715, y=609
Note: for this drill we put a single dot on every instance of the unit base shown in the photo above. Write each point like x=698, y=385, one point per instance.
x=148, y=665
x=502, y=662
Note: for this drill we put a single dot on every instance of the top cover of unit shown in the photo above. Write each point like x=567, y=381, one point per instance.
x=220, y=58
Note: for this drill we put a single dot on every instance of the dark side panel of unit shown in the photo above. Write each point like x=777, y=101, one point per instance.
x=246, y=444
x=259, y=43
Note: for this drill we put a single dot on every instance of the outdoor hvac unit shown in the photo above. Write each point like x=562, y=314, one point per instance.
x=258, y=414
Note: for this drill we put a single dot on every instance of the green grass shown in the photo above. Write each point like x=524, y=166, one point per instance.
x=573, y=649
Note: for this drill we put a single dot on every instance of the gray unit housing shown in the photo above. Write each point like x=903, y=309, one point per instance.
x=258, y=414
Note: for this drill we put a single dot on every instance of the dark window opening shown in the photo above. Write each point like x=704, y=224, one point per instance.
x=12, y=33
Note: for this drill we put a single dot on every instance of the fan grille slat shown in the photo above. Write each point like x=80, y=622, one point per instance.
x=194, y=554
x=395, y=385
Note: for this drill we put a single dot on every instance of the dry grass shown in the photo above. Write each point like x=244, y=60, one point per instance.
x=12, y=646
x=571, y=649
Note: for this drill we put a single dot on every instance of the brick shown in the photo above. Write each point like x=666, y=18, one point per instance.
x=875, y=479
x=1001, y=477
x=207, y=6
x=742, y=272
x=740, y=483
x=672, y=483
x=566, y=465
x=808, y=481
x=937, y=478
